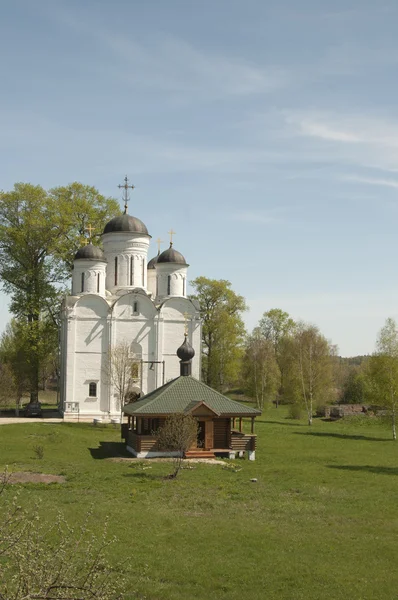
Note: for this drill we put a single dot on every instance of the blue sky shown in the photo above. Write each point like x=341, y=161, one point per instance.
x=264, y=132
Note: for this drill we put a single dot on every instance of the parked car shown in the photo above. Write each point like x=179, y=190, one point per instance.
x=33, y=409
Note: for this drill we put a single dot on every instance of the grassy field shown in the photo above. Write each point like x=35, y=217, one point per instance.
x=321, y=522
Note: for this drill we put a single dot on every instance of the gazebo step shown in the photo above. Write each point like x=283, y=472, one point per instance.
x=199, y=454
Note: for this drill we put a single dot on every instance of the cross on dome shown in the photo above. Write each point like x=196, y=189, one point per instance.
x=126, y=188
x=171, y=233
x=159, y=241
x=90, y=230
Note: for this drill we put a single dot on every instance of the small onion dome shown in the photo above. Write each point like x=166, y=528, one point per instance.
x=90, y=252
x=124, y=223
x=185, y=352
x=172, y=256
x=153, y=261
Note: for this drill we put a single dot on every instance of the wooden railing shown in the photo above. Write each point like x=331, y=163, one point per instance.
x=141, y=443
x=242, y=441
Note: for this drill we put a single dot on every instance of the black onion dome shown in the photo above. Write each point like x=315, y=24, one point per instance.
x=172, y=256
x=90, y=252
x=185, y=352
x=153, y=261
x=124, y=223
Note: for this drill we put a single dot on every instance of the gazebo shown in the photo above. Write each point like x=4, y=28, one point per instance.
x=219, y=418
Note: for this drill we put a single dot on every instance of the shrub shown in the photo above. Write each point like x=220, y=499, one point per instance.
x=295, y=411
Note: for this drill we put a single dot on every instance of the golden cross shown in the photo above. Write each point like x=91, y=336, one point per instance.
x=90, y=230
x=159, y=241
x=171, y=233
x=126, y=188
x=85, y=241
x=186, y=315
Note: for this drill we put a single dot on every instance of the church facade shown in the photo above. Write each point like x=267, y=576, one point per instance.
x=119, y=298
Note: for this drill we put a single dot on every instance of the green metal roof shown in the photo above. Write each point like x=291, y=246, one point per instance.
x=181, y=394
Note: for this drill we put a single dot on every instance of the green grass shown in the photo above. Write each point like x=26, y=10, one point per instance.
x=321, y=522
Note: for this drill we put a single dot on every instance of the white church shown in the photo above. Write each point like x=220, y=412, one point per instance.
x=118, y=296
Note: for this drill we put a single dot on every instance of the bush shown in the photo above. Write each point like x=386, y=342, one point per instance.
x=295, y=411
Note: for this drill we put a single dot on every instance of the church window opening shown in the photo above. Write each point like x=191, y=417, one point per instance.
x=183, y=286
x=135, y=370
x=135, y=308
x=92, y=389
x=115, y=270
x=168, y=285
x=143, y=272
x=98, y=283
x=82, y=282
x=131, y=269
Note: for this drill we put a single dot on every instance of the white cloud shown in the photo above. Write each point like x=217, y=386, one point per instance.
x=372, y=181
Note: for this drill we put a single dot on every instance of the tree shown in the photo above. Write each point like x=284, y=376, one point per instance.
x=223, y=330
x=261, y=370
x=120, y=370
x=39, y=233
x=178, y=435
x=383, y=371
x=354, y=387
x=277, y=327
x=42, y=561
x=314, y=367
x=14, y=354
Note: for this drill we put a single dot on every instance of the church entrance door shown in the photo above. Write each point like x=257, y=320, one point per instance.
x=201, y=434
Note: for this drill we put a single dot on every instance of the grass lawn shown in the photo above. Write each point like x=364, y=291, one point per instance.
x=321, y=522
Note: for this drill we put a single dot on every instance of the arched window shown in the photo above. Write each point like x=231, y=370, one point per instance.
x=92, y=389
x=143, y=272
x=135, y=308
x=82, y=283
x=98, y=283
x=168, y=285
x=131, y=269
x=115, y=270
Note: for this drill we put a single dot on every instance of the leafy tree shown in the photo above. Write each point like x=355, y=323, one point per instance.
x=261, y=370
x=39, y=233
x=223, y=330
x=277, y=327
x=14, y=354
x=383, y=371
x=354, y=387
x=313, y=366
x=178, y=435
x=76, y=206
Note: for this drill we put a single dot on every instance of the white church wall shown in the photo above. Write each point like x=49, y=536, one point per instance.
x=87, y=348
x=130, y=250
x=176, y=314
x=133, y=320
x=171, y=280
x=151, y=282
x=88, y=277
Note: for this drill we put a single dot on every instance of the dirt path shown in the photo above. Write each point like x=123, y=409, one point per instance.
x=13, y=420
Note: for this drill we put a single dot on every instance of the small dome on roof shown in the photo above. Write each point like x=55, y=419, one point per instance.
x=153, y=261
x=90, y=252
x=172, y=256
x=185, y=352
x=124, y=223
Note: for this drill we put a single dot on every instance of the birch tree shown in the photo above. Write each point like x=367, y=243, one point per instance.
x=383, y=371
x=261, y=370
x=277, y=327
x=314, y=368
